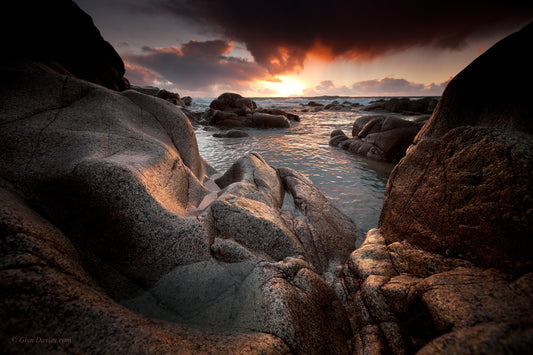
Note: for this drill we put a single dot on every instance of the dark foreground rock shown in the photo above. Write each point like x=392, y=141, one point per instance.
x=450, y=268
x=404, y=105
x=379, y=137
x=479, y=150
x=114, y=237
x=403, y=299
x=61, y=36
x=233, y=110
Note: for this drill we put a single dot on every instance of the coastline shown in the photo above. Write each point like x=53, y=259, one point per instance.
x=118, y=236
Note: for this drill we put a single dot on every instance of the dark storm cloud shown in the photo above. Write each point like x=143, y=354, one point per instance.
x=280, y=33
x=194, y=65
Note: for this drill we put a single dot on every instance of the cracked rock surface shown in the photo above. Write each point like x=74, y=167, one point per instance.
x=115, y=236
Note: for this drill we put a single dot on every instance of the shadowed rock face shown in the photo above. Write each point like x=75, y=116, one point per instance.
x=449, y=269
x=464, y=188
x=59, y=33
x=404, y=299
x=107, y=203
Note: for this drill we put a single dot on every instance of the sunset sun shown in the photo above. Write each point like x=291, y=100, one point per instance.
x=287, y=86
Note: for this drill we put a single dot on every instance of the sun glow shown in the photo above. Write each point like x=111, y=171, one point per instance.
x=286, y=86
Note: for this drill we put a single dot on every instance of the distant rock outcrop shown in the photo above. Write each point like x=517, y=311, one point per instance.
x=379, y=137
x=332, y=106
x=187, y=100
x=233, y=110
x=59, y=35
x=403, y=105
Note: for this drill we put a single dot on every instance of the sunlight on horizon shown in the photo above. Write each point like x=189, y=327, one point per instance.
x=287, y=86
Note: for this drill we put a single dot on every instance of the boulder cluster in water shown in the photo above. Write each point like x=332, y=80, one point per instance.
x=233, y=110
x=118, y=237
x=378, y=137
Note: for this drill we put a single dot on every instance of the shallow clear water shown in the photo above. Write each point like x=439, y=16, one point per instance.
x=354, y=184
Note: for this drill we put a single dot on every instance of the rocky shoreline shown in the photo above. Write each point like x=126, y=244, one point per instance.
x=117, y=236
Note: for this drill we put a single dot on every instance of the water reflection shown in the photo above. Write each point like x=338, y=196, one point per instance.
x=354, y=184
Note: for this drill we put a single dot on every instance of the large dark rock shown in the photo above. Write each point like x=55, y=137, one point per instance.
x=449, y=269
x=464, y=189
x=59, y=33
x=114, y=237
x=233, y=110
x=233, y=102
x=403, y=299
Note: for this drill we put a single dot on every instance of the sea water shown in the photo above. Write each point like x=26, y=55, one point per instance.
x=354, y=184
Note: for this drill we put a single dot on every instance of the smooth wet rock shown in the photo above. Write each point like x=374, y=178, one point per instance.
x=331, y=236
x=265, y=120
x=135, y=218
x=41, y=260
x=360, y=122
x=337, y=137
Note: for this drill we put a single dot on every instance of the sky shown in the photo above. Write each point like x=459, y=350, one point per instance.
x=202, y=48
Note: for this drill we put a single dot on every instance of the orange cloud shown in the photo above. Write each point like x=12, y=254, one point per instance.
x=195, y=66
x=139, y=75
x=281, y=34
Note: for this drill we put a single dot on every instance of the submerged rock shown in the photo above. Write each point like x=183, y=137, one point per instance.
x=232, y=133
